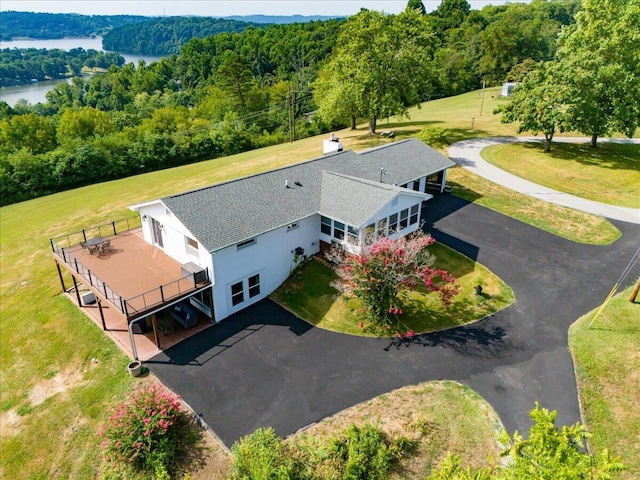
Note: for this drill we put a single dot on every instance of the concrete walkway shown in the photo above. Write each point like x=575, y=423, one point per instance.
x=468, y=155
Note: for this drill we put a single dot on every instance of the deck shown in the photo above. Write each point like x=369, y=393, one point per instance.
x=139, y=277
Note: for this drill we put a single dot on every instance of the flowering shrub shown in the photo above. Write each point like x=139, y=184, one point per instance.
x=389, y=266
x=148, y=432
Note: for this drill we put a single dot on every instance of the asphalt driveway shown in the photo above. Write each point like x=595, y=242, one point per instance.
x=265, y=367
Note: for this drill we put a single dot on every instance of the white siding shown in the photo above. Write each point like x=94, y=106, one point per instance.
x=271, y=257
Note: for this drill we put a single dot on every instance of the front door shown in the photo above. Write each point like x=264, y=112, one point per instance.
x=157, y=233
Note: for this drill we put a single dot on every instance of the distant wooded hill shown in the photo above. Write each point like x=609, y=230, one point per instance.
x=164, y=36
x=60, y=25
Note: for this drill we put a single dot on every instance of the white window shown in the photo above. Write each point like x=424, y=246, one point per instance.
x=246, y=243
x=325, y=225
x=353, y=236
x=370, y=234
x=393, y=224
x=382, y=228
x=338, y=230
x=237, y=293
x=192, y=246
x=404, y=218
x=413, y=219
x=254, y=286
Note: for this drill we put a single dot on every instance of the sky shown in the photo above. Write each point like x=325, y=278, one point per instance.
x=219, y=8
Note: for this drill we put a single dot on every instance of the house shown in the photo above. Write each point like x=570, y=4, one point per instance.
x=229, y=245
x=250, y=232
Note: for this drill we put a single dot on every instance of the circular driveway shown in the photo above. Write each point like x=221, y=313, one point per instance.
x=265, y=367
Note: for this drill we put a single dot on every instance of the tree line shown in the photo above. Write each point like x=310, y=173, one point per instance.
x=60, y=25
x=165, y=36
x=592, y=85
x=19, y=66
x=232, y=92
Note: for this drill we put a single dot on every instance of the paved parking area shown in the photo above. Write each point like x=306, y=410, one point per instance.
x=264, y=367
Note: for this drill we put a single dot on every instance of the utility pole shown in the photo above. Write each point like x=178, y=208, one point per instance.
x=291, y=103
x=482, y=102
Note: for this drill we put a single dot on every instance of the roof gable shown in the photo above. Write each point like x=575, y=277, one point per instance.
x=355, y=200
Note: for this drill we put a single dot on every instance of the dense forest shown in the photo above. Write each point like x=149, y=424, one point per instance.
x=60, y=25
x=165, y=36
x=233, y=92
x=21, y=66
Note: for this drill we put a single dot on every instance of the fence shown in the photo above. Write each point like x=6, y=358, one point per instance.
x=104, y=230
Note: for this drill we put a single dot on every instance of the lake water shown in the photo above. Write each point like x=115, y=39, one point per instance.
x=35, y=92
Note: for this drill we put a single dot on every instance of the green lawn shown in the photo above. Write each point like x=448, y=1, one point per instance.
x=608, y=174
x=607, y=357
x=310, y=295
x=52, y=390
x=565, y=222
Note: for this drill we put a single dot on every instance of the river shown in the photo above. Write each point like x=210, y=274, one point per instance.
x=35, y=92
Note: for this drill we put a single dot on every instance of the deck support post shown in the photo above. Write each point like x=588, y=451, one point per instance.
x=104, y=325
x=213, y=316
x=75, y=287
x=154, y=325
x=64, y=288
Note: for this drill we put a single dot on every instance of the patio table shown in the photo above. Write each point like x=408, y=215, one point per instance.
x=93, y=244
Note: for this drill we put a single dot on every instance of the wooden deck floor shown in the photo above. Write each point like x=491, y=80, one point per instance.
x=131, y=267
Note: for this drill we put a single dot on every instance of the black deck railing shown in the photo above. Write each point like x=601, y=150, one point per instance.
x=138, y=304
x=146, y=301
x=103, y=230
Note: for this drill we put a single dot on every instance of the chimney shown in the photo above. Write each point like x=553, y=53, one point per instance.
x=332, y=145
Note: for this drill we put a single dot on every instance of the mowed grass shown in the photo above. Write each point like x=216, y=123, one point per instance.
x=47, y=345
x=311, y=296
x=565, y=222
x=431, y=414
x=608, y=174
x=607, y=357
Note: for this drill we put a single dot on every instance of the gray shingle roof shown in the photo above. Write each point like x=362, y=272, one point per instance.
x=354, y=200
x=230, y=212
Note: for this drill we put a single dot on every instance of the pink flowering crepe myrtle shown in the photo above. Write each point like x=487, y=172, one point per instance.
x=378, y=275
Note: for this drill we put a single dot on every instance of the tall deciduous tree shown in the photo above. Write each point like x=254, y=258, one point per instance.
x=600, y=57
x=380, y=65
x=378, y=275
x=417, y=5
x=537, y=103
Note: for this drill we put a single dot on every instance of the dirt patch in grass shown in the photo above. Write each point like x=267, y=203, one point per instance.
x=59, y=383
x=9, y=423
x=440, y=417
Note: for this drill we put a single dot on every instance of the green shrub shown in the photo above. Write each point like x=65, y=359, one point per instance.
x=364, y=453
x=149, y=433
x=262, y=456
x=434, y=136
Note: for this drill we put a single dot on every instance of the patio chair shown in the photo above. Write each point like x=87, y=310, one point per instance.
x=94, y=249
x=106, y=245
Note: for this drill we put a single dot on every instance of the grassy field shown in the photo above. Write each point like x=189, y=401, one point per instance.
x=60, y=375
x=607, y=357
x=608, y=174
x=313, y=299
